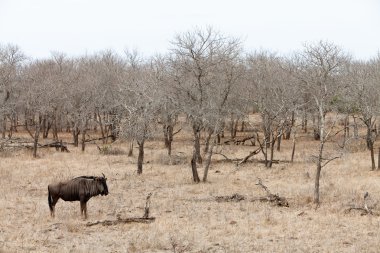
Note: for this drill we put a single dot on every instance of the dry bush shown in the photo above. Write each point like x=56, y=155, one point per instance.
x=6, y=153
x=111, y=150
x=179, y=158
x=356, y=145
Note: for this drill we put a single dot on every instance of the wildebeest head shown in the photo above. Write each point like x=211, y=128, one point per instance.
x=102, y=185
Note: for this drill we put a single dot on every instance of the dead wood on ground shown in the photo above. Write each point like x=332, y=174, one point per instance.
x=271, y=198
x=233, y=198
x=18, y=143
x=241, y=140
x=145, y=219
x=239, y=161
x=122, y=221
x=365, y=209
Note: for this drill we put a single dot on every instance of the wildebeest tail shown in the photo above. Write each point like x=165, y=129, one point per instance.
x=50, y=201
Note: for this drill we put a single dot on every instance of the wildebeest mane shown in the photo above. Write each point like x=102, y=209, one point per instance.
x=86, y=177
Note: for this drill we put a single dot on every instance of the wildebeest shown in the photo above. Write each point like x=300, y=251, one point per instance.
x=77, y=189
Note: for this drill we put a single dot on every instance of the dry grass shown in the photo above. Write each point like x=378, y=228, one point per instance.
x=186, y=221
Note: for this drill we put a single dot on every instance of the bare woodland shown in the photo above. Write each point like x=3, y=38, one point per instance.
x=206, y=88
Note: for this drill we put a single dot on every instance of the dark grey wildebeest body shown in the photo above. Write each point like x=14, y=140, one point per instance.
x=77, y=189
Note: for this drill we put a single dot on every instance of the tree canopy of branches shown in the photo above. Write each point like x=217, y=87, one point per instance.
x=204, y=84
x=205, y=68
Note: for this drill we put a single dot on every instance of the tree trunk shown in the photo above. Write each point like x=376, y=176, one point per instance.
x=368, y=123
x=194, y=167
x=242, y=129
x=370, y=141
x=235, y=128
x=15, y=121
x=372, y=156
x=318, y=172
x=279, y=140
x=197, y=143
x=4, y=126
x=304, y=121
x=232, y=124
x=36, y=136
x=208, y=160
x=84, y=131
x=265, y=153
x=76, y=133
x=293, y=149
x=83, y=140
x=207, y=142
x=316, y=186
x=43, y=127
x=288, y=127
x=196, y=153
x=356, y=131
x=114, y=126
x=322, y=140
x=347, y=127
x=130, y=151
x=106, y=128
x=317, y=130
x=140, y=158
x=100, y=122
x=168, y=136
x=288, y=131
x=55, y=127
x=11, y=127
x=273, y=141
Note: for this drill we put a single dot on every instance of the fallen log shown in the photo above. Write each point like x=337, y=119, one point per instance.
x=272, y=198
x=122, y=221
x=239, y=141
x=245, y=159
x=19, y=143
x=57, y=145
x=233, y=198
x=98, y=139
x=240, y=161
x=273, y=161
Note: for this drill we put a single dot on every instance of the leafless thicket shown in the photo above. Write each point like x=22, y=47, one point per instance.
x=205, y=78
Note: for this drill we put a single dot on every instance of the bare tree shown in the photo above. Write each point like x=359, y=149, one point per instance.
x=273, y=94
x=139, y=90
x=107, y=70
x=365, y=98
x=320, y=67
x=197, y=60
x=168, y=107
x=38, y=93
x=11, y=59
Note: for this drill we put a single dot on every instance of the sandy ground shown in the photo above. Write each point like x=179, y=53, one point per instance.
x=188, y=219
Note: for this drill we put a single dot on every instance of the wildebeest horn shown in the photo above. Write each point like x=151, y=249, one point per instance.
x=103, y=175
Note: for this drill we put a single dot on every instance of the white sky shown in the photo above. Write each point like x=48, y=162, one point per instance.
x=83, y=26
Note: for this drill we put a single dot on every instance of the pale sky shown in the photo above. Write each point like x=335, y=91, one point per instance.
x=77, y=27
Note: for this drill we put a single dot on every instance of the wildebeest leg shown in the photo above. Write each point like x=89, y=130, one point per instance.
x=83, y=208
x=52, y=211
